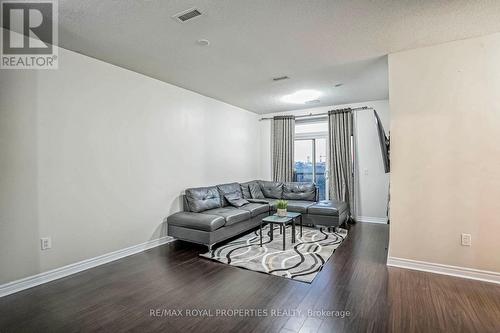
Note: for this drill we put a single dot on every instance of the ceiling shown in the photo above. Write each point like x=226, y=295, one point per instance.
x=317, y=43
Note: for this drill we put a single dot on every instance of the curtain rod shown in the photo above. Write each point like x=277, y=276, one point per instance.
x=326, y=113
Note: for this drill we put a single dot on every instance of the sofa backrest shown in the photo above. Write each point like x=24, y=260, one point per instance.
x=200, y=199
x=245, y=190
x=272, y=190
x=185, y=204
x=228, y=189
x=203, y=198
x=299, y=191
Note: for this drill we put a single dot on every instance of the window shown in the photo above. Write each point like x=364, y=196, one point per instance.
x=311, y=154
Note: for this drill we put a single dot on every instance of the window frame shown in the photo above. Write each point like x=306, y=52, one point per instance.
x=313, y=136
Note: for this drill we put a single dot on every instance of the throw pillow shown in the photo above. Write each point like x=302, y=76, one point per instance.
x=235, y=199
x=245, y=191
x=255, y=191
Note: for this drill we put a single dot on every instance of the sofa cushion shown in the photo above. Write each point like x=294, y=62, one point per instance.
x=328, y=208
x=299, y=191
x=230, y=214
x=228, y=189
x=299, y=206
x=235, y=199
x=255, y=191
x=272, y=189
x=270, y=202
x=197, y=221
x=245, y=190
x=202, y=198
x=256, y=208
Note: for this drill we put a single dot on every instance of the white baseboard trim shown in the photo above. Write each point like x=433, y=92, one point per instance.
x=57, y=273
x=463, y=272
x=371, y=219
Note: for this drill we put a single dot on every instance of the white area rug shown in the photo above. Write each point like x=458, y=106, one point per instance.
x=300, y=261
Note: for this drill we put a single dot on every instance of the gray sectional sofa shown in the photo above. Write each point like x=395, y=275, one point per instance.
x=216, y=213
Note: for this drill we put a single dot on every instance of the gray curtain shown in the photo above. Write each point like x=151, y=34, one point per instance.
x=283, y=144
x=341, y=164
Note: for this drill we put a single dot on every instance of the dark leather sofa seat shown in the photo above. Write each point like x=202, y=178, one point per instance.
x=196, y=221
x=299, y=206
x=230, y=214
x=256, y=208
x=268, y=201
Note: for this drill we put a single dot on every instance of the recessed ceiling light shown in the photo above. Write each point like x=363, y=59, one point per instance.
x=338, y=85
x=301, y=96
x=203, y=42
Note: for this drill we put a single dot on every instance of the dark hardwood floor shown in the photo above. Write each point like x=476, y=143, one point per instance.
x=120, y=296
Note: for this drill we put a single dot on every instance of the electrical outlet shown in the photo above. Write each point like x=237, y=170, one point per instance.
x=45, y=243
x=466, y=240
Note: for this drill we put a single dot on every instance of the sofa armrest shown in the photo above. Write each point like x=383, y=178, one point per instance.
x=199, y=221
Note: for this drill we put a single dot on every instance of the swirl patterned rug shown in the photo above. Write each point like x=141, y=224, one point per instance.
x=300, y=261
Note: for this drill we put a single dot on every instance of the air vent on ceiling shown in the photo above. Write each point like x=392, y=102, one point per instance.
x=187, y=15
x=280, y=78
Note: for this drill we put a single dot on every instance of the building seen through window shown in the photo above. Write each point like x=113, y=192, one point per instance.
x=311, y=155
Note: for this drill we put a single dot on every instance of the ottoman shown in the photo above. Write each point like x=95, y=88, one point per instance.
x=328, y=213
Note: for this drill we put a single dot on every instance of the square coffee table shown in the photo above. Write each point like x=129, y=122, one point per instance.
x=282, y=222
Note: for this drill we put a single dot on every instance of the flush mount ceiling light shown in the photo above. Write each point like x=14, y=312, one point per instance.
x=314, y=101
x=203, y=42
x=301, y=96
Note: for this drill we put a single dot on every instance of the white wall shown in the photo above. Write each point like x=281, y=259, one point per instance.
x=372, y=187
x=445, y=125
x=95, y=156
